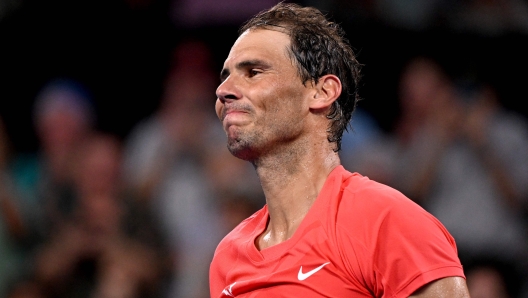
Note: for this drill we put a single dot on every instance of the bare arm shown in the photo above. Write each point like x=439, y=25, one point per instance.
x=449, y=287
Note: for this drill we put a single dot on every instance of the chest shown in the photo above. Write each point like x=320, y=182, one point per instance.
x=311, y=266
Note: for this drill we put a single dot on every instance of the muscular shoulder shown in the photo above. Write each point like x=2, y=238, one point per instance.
x=369, y=210
x=373, y=201
x=390, y=242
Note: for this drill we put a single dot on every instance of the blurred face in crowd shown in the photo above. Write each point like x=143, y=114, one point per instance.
x=62, y=119
x=60, y=129
x=261, y=100
x=99, y=165
x=424, y=87
x=98, y=185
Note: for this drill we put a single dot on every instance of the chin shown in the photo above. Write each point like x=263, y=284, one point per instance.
x=241, y=149
x=243, y=153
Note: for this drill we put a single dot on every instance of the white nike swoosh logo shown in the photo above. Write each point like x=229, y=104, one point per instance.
x=303, y=276
x=229, y=292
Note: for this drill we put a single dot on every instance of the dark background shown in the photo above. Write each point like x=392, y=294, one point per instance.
x=121, y=51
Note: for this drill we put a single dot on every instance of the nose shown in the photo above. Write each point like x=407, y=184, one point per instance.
x=228, y=91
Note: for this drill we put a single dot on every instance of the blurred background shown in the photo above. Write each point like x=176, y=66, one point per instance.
x=114, y=176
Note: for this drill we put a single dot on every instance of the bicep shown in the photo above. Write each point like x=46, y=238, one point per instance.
x=448, y=287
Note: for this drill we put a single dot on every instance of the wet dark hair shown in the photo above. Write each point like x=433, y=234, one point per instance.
x=319, y=47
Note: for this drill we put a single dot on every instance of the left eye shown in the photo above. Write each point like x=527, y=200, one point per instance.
x=253, y=72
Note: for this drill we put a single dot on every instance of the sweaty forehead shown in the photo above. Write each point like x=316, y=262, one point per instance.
x=260, y=44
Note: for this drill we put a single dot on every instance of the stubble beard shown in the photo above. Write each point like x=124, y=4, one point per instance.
x=253, y=145
x=242, y=147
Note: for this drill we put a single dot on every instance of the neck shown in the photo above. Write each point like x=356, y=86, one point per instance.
x=291, y=181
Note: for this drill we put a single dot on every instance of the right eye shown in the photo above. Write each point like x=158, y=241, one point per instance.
x=254, y=72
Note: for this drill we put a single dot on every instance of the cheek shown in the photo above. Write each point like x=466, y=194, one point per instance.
x=268, y=97
x=284, y=98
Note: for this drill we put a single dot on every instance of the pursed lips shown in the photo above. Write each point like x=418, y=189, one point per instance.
x=229, y=111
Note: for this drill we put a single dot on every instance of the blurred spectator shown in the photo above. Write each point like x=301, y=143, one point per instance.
x=174, y=165
x=63, y=116
x=12, y=229
x=106, y=247
x=366, y=148
x=462, y=156
x=179, y=122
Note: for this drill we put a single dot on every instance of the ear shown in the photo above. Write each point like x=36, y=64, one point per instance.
x=328, y=89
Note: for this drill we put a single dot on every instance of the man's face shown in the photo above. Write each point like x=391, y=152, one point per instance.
x=262, y=101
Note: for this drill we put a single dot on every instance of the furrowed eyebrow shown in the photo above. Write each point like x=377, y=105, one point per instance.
x=252, y=63
x=244, y=65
